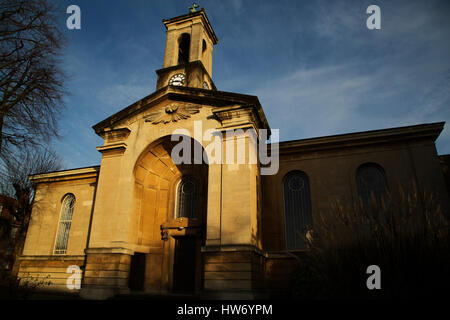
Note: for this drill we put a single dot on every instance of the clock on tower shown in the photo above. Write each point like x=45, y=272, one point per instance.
x=188, y=54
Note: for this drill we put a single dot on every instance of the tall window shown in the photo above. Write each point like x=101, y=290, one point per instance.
x=297, y=208
x=65, y=220
x=187, y=193
x=371, y=182
x=184, y=43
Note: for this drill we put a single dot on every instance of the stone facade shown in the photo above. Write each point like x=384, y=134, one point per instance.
x=38, y=261
x=125, y=233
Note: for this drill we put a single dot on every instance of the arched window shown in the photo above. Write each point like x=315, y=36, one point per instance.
x=184, y=43
x=371, y=182
x=204, y=47
x=297, y=208
x=187, y=194
x=65, y=220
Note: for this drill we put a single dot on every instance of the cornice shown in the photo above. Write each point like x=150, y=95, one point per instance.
x=185, y=94
x=428, y=131
x=116, y=148
x=202, y=15
x=86, y=172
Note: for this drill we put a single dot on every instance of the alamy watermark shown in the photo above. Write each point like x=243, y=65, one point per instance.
x=374, y=20
x=74, y=20
x=237, y=146
x=374, y=280
x=73, y=282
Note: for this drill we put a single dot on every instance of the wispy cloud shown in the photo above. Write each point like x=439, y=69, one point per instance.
x=314, y=65
x=346, y=98
x=366, y=80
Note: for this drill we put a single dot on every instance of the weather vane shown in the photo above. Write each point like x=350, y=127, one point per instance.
x=193, y=8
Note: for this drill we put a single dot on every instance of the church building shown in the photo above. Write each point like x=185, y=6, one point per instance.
x=141, y=221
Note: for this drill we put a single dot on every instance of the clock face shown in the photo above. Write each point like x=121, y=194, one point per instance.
x=205, y=85
x=177, y=80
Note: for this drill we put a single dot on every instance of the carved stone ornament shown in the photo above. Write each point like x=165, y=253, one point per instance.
x=172, y=113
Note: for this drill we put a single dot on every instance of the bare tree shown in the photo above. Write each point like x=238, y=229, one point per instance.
x=16, y=185
x=31, y=81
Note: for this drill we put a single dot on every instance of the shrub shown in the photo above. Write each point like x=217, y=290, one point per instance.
x=407, y=238
x=12, y=287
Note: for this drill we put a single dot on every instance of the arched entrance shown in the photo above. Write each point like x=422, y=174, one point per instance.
x=170, y=210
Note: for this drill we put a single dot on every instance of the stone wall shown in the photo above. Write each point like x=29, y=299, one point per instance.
x=38, y=261
x=48, y=272
x=331, y=168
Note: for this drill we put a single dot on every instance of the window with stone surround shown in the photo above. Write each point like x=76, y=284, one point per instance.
x=65, y=221
x=187, y=198
x=371, y=183
x=297, y=209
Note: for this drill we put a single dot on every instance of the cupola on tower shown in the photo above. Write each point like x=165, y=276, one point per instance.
x=188, y=56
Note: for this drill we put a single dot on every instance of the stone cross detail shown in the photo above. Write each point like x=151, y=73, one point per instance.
x=193, y=8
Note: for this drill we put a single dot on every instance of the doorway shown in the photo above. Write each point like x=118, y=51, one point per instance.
x=137, y=272
x=165, y=194
x=184, y=267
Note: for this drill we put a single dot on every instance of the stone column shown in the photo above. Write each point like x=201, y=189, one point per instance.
x=233, y=262
x=106, y=273
x=107, y=259
x=214, y=208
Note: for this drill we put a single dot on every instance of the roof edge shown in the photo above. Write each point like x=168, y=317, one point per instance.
x=430, y=130
x=173, y=90
x=65, y=173
x=201, y=13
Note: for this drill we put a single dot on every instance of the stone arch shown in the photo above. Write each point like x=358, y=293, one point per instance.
x=156, y=177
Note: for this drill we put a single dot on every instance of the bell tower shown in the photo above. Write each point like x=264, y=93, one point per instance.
x=189, y=47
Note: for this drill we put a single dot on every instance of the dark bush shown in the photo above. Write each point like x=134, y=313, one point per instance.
x=408, y=239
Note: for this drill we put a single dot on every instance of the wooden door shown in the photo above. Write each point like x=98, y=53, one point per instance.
x=137, y=272
x=184, y=265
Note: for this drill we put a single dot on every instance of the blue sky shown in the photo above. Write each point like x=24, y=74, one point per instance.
x=314, y=65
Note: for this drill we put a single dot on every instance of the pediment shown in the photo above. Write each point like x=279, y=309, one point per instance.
x=174, y=112
x=172, y=104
